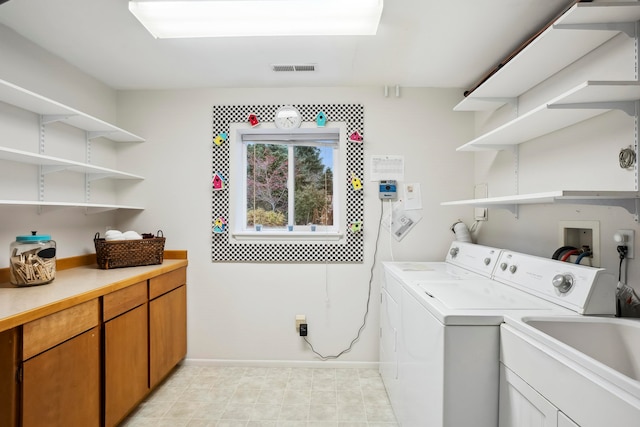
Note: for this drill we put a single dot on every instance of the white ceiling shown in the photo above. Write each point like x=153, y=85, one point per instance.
x=422, y=43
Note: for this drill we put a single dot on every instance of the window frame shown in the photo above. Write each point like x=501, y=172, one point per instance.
x=238, y=164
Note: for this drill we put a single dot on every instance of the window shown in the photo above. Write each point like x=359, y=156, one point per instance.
x=288, y=185
x=232, y=240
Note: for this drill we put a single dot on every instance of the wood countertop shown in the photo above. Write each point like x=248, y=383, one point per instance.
x=19, y=305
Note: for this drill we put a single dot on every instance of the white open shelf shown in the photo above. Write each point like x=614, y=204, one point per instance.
x=90, y=207
x=585, y=101
x=54, y=111
x=581, y=29
x=54, y=164
x=628, y=200
x=51, y=111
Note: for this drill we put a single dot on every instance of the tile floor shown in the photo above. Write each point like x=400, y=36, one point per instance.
x=196, y=396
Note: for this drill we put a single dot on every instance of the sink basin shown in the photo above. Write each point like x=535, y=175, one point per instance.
x=588, y=367
x=608, y=347
x=612, y=342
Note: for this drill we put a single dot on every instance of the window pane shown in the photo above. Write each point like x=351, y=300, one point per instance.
x=313, y=185
x=267, y=194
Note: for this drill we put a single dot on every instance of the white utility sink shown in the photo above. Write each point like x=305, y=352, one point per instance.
x=608, y=347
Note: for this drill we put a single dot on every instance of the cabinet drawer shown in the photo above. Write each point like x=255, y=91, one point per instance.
x=118, y=302
x=42, y=334
x=164, y=283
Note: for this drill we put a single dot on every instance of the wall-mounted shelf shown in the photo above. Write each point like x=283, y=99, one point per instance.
x=585, y=101
x=629, y=200
x=89, y=207
x=577, y=32
x=52, y=111
x=55, y=164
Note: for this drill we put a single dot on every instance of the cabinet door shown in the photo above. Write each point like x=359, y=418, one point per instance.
x=8, y=385
x=167, y=333
x=521, y=405
x=61, y=387
x=126, y=363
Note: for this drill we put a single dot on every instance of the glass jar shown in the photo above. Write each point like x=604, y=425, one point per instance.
x=32, y=260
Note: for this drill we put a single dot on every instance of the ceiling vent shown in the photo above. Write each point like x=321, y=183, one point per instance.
x=296, y=67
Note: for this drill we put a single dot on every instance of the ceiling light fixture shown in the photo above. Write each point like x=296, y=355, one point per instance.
x=242, y=18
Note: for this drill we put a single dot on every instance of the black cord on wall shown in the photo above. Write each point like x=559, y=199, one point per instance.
x=366, y=313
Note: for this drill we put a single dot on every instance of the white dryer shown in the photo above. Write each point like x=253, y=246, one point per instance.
x=464, y=262
x=440, y=334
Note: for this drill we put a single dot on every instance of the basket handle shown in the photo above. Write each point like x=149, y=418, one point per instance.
x=159, y=233
x=97, y=236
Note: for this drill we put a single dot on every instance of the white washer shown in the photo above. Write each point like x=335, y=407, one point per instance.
x=440, y=337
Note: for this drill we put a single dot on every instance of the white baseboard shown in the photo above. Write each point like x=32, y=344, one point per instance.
x=281, y=363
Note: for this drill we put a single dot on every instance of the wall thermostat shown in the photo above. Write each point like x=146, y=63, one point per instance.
x=388, y=189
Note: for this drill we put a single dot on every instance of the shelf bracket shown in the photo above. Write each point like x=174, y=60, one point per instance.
x=93, y=211
x=624, y=27
x=45, y=119
x=514, y=209
x=629, y=107
x=633, y=207
x=45, y=170
x=98, y=133
x=49, y=208
x=97, y=176
x=511, y=207
x=491, y=147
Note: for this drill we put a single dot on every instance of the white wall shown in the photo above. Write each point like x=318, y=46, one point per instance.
x=246, y=311
x=27, y=65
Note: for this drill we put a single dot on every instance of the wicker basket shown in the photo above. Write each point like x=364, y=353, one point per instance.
x=129, y=253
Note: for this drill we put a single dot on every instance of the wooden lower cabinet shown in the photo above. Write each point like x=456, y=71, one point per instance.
x=91, y=364
x=126, y=364
x=167, y=333
x=61, y=386
x=9, y=363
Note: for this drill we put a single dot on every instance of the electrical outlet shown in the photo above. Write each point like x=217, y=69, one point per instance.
x=625, y=238
x=300, y=319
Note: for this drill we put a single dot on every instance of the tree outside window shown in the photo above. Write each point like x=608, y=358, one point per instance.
x=289, y=184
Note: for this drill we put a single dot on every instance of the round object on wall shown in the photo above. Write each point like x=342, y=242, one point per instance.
x=287, y=117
